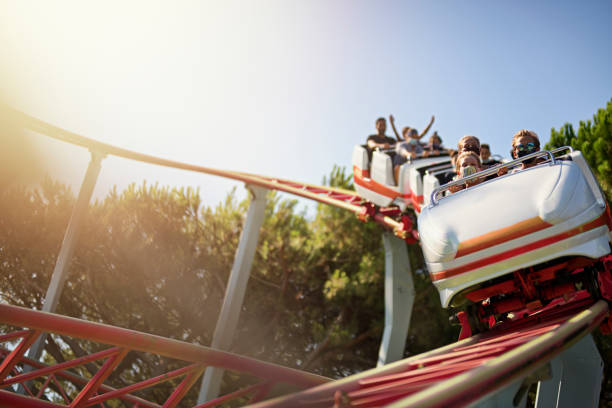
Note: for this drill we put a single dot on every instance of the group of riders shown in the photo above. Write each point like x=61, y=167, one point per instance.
x=470, y=156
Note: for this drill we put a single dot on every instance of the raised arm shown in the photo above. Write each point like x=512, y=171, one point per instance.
x=392, y=120
x=424, y=132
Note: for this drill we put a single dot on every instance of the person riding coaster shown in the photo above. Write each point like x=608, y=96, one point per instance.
x=523, y=239
x=376, y=182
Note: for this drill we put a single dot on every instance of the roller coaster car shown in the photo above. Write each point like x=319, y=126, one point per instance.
x=375, y=181
x=517, y=242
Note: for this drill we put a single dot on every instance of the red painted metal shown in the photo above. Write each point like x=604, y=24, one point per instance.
x=9, y=362
x=183, y=387
x=467, y=358
x=93, y=385
x=61, y=366
x=466, y=330
x=236, y=394
x=374, y=388
x=347, y=199
x=604, y=278
x=493, y=290
x=57, y=371
x=93, y=392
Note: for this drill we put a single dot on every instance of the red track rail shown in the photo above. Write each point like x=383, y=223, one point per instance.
x=347, y=199
x=450, y=376
x=456, y=375
x=91, y=391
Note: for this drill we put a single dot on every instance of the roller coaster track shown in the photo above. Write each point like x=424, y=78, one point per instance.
x=454, y=375
x=342, y=198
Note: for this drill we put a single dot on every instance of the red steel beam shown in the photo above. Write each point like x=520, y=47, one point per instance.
x=183, y=387
x=496, y=374
x=131, y=339
x=513, y=349
x=228, y=397
x=9, y=362
x=349, y=200
x=9, y=399
x=66, y=375
x=58, y=367
x=94, y=384
x=143, y=384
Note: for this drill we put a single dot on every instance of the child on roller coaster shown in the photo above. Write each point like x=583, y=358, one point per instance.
x=468, y=163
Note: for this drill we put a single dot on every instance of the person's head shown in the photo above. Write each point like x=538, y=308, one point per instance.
x=435, y=140
x=468, y=162
x=405, y=131
x=453, y=157
x=381, y=125
x=469, y=144
x=410, y=133
x=524, y=142
x=485, y=152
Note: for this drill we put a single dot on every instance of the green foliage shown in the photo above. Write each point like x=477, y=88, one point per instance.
x=594, y=140
x=152, y=259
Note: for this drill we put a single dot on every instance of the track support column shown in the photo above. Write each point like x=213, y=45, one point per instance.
x=60, y=272
x=399, y=298
x=236, y=286
x=576, y=378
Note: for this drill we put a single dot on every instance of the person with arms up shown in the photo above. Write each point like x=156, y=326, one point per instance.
x=407, y=128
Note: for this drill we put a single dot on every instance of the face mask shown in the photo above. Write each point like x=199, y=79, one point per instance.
x=413, y=141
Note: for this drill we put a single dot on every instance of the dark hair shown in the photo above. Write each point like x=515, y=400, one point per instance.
x=464, y=139
x=381, y=119
x=435, y=134
x=485, y=146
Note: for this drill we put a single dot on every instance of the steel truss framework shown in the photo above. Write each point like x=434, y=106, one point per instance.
x=450, y=376
x=65, y=384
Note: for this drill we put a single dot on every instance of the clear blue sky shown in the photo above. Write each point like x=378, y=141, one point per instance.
x=286, y=88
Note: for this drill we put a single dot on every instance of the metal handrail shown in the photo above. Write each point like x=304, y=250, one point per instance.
x=562, y=148
x=488, y=172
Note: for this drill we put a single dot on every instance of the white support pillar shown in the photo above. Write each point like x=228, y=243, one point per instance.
x=572, y=379
x=399, y=298
x=60, y=272
x=234, y=293
x=577, y=377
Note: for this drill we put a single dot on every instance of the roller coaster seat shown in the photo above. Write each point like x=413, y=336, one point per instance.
x=375, y=181
x=552, y=210
x=424, y=179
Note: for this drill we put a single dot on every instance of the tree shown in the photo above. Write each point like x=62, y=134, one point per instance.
x=594, y=140
x=152, y=259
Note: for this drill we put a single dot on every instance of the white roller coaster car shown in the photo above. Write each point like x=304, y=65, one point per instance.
x=520, y=239
x=375, y=181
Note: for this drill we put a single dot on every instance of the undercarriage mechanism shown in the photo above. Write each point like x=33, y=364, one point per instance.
x=528, y=291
